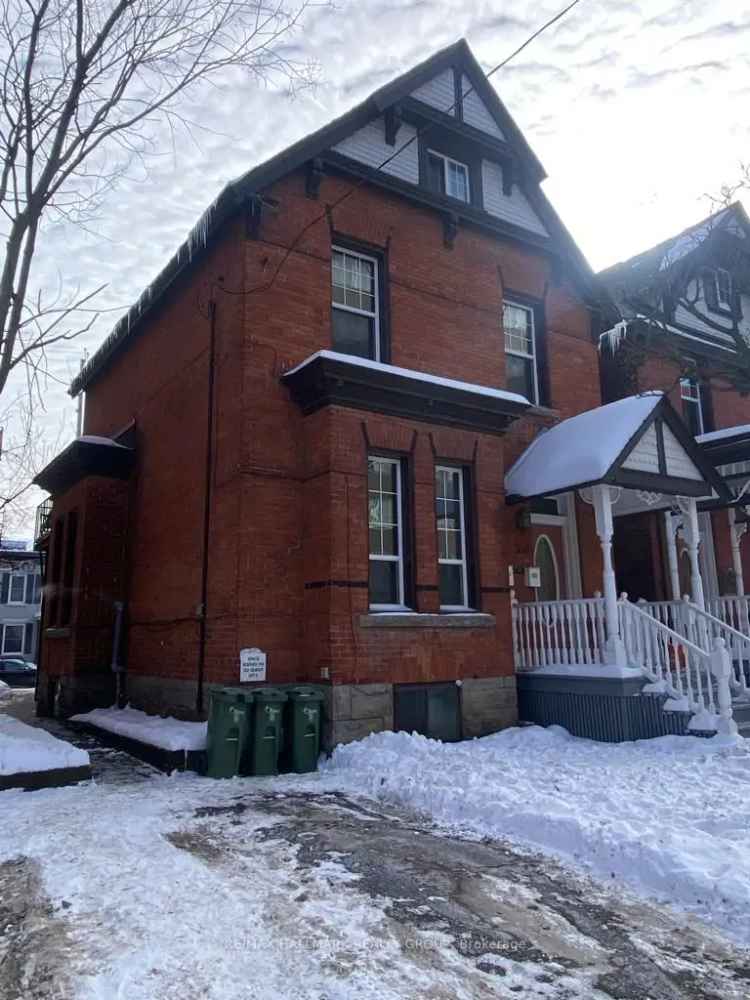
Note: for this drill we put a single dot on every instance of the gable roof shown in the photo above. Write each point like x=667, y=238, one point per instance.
x=639, y=272
x=236, y=193
x=608, y=445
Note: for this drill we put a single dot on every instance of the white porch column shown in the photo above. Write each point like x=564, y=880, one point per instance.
x=670, y=529
x=614, y=650
x=692, y=538
x=736, y=531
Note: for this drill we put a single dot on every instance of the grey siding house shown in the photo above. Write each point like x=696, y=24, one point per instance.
x=20, y=600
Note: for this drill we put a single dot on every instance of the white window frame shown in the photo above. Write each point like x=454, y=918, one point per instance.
x=456, y=163
x=399, y=605
x=10, y=588
x=374, y=316
x=724, y=303
x=690, y=391
x=463, y=562
x=524, y=354
x=6, y=626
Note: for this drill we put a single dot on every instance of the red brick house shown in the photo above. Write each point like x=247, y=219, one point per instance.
x=297, y=440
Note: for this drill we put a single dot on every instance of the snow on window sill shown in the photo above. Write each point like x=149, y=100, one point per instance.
x=401, y=619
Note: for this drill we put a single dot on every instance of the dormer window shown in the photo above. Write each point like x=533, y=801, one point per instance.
x=718, y=290
x=448, y=176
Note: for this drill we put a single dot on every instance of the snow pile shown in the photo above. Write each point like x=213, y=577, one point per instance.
x=25, y=749
x=165, y=733
x=669, y=817
x=4, y=690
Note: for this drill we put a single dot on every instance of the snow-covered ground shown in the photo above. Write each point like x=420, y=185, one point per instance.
x=166, y=733
x=25, y=749
x=668, y=817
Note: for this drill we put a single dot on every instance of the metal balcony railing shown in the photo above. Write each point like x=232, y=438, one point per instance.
x=43, y=524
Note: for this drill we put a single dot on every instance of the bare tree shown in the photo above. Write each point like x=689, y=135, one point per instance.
x=83, y=86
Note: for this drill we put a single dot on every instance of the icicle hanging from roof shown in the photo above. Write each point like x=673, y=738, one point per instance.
x=614, y=337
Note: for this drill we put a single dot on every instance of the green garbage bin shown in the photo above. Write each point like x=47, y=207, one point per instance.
x=302, y=731
x=228, y=726
x=266, y=736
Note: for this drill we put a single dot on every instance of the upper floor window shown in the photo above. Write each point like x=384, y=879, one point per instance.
x=694, y=405
x=448, y=176
x=17, y=593
x=521, y=369
x=355, y=319
x=718, y=289
x=453, y=558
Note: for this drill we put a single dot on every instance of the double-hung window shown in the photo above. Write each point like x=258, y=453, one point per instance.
x=450, y=514
x=717, y=289
x=448, y=176
x=355, y=316
x=521, y=369
x=13, y=638
x=386, y=525
x=693, y=405
x=17, y=591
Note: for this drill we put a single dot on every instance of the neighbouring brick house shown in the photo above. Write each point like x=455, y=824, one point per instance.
x=298, y=439
x=684, y=305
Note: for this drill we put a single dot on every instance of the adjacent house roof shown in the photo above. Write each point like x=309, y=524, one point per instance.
x=237, y=194
x=639, y=272
x=638, y=443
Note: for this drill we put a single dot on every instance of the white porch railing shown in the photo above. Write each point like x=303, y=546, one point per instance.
x=695, y=678
x=702, y=628
x=733, y=610
x=696, y=674
x=554, y=633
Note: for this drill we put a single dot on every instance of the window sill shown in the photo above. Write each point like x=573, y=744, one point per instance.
x=57, y=633
x=541, y=411
x=458, y=619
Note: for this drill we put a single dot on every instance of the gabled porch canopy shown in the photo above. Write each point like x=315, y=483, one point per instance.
x=638, y=443
x=635, y=454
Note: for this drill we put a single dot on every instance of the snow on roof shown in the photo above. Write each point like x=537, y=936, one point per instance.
x=728, y=432
x=449, y=383
x=97, y=439
x=579, y=450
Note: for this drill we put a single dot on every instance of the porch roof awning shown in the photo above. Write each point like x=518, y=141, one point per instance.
x=728, y=446
x=89, y=455
x=638, y=443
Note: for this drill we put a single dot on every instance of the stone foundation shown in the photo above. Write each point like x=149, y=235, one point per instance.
x=487, y=705
x=72, y=694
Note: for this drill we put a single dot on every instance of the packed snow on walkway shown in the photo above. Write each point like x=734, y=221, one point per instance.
x=669, y=817
x=26, y=749
x=165, y=733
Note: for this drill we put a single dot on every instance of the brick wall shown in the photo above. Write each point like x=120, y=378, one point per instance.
x=289, y=492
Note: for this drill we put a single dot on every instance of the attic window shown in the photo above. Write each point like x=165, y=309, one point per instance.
x=717, y=289
x=448, y=176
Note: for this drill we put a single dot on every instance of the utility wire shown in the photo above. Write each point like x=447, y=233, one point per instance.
x=267, y=285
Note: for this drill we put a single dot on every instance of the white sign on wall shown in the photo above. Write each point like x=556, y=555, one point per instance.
x=252, y=665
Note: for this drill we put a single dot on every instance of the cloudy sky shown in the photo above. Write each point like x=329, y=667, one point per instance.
x=637, y=108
